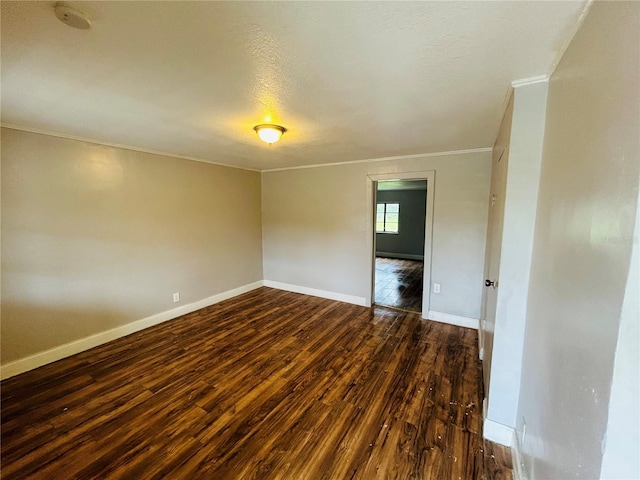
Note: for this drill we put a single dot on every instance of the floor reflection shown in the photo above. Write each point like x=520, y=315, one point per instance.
x=399, y=283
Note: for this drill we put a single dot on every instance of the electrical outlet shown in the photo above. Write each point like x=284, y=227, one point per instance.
x=436, y=288
x=176, y=297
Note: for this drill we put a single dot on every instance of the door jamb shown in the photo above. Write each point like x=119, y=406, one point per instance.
x=372, y=179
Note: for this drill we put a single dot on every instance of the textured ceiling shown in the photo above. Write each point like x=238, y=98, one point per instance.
x=350, y=80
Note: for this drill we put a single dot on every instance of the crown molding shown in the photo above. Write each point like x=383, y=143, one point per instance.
x=119, y=145
x=384, y=159
x=573, y=29
x=529, y=81
x=195, y=159
x=515, y=84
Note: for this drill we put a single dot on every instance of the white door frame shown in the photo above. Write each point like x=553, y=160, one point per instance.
x=430, y=177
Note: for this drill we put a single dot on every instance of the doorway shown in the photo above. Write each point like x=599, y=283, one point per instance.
x=399, y=256
x=401, y=224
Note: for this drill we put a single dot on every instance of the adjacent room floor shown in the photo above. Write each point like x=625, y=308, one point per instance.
x=270, y=384
x=399, y=283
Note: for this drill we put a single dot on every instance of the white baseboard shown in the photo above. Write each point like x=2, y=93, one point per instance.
x=48, y=356
x=454, y=319
x=317, y=293
x=497, y=432
x=402, y=256
x=516, y=459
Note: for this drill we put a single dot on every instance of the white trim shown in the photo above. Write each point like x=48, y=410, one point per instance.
x=530, y=81
x=497, y=432
x=458, y=320
x=520, y=83
x=428, y=243
x=119, y=145
x=480, y=340
x=405, y=256
x=341, y=297
x=372, y=179
x=222, y=164
x=371, y=240
x=39, y=359
x=516, y=459
x=384, y=159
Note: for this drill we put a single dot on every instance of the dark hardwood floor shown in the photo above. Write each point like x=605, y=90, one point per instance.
x=267, y=385
x=399, y=283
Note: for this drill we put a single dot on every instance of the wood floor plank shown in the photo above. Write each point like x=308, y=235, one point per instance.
x=267, y=385
x=398, y=283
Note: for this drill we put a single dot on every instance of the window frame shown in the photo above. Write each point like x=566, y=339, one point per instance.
x=384, y=217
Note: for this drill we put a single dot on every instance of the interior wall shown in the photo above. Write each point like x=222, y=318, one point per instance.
x=582, y=246
x=315, y=235
x=95, y=237
x=622, y=442
x=409, y=241
x=519, y=219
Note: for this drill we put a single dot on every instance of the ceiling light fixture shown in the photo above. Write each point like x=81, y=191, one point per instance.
x=269, y=133
x=72, y=17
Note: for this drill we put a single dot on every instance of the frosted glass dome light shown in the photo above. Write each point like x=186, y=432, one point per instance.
x=269, y=133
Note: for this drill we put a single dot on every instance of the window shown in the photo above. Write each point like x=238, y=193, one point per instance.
x=387, y=216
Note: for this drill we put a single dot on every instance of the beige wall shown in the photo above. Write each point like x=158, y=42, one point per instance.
x=95, y=237
x=315, y=227
x=583, y=241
